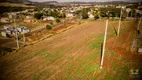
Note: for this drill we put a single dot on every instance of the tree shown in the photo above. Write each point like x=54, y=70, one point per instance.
x=58, y=20
x=38, y=15
x=64, y=15
x=96, y=16
x=51, y=22
x=85, y=14
x=128, y=11
x=48, y=27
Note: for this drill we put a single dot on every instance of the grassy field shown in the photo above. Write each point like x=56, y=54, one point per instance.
x=75, y=55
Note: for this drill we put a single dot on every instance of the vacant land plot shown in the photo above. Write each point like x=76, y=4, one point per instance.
x=74, y=55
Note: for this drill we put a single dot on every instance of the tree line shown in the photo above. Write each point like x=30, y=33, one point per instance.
x=4, y=9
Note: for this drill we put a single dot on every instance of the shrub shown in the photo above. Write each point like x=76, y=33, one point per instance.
x=38, y=15
x=48, y=27
x=58, y=20
x=85, y=14
x=96, y=16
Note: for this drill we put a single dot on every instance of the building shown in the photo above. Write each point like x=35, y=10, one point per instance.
x=69, y=15
x=9, y=31
x=29, y=20
x=50, y=18
x=5, y=20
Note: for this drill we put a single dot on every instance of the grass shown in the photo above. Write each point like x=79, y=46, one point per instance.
x=35, y=77
x=96, y=43
x=43, y=74
x=111, y=52
x=91, y=68
x=84, y=68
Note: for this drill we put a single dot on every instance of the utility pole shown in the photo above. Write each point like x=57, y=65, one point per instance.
x=119, y=23
x=104, y=44
x=16, y=35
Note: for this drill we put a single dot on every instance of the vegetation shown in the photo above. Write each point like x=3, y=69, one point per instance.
x=4, y=9
x=96, y=14
x=38, y=15
x=52, y=13
x=63, y=15
x=38, y=9
x=48, y=27
x=58, y=20
x=110, y=12
x=85, y=14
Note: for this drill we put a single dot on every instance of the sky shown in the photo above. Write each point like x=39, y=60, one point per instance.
x=86, y=0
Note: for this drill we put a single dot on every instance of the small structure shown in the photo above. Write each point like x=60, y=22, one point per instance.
x=91, y=16
x=3, y=33
x=5, y=20
x=29, y=17
x=9, y=31
x=69, y=15
x=50, y=18
x=29, y=20
x=140, y=50
x=12, y=15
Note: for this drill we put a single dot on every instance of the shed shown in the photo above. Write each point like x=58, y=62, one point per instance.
x=5, y=20
x=3, y=33
x=140, y=50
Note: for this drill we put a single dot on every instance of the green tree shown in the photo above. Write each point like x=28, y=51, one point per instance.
x=64, y=15
x=48, y=27
x=38, y=15
x=85, y=14
x=96, y=16
x=58, y=20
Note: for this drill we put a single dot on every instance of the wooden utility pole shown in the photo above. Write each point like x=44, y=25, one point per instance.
x=16, y=35
x=104, y=44
x=119, y=25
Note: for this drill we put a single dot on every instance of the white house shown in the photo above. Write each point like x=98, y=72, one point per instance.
x=69, y=15
x=91, y=16
x=50, y=18
x=3, y=33
x=29, y=17
x=5, y=20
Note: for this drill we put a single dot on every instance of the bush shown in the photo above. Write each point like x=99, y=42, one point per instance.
x=48, y=27
x=58, y=20
x=38, y=15
x=85, y=14
x=96, y=16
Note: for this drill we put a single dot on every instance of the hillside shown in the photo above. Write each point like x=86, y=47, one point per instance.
x=13, y=4
x=15, y=1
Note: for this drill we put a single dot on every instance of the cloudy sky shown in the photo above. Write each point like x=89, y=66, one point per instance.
x=86, y=0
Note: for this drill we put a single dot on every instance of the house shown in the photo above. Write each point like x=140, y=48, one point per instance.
x=69, y=15
x=30, y=20
x=138, y=11
x=12, y=15
x=3, y=33
x=29, y=17
x=5, y=20
x=91, y=16
x=50, y=18
x=9, y=31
